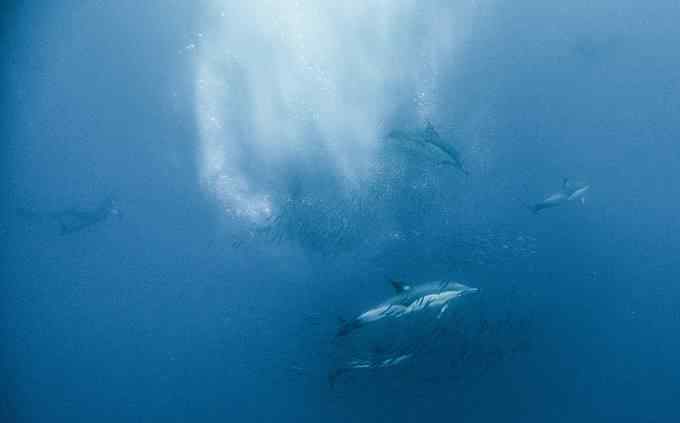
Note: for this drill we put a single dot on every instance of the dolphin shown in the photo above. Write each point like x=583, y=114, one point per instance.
x=366, y=364
x=430, y=139
x=73, y=219
x=407, y=300
x=569, y=192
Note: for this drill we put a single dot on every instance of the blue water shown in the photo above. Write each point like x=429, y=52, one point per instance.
x=245, y=146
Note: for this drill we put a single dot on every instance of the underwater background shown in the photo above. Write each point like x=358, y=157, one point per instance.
x=246, y=145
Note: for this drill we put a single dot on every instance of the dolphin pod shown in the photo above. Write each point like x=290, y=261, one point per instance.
x=407, y=301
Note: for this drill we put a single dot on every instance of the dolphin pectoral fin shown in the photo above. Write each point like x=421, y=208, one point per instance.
x=583, y=200
x=443, y=310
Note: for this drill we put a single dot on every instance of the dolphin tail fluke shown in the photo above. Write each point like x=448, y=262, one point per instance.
x=531, y=207
x=347, y=326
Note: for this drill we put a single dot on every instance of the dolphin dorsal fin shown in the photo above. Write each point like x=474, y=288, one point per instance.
x=430, y=132
x=565, y=183
x=399, y=287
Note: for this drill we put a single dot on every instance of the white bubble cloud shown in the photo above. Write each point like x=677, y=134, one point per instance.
x=281, y=82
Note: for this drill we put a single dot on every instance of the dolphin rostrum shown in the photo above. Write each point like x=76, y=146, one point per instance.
x=408, y=300
x=430, y=139
x=569, y=192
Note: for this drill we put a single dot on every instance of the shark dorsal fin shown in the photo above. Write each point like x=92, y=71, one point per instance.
x=565, y=183
x=400, y=287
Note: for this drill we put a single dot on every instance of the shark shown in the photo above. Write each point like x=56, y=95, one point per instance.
x=430, y=139
x=569, y=192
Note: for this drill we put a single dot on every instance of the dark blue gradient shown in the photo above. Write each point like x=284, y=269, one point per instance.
x=261, y=200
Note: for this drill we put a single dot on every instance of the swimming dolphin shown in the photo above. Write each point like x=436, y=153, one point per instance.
x=569, y=192
x=409, y=300
x=366, y=364
x=73, y=220
x=430, y=139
